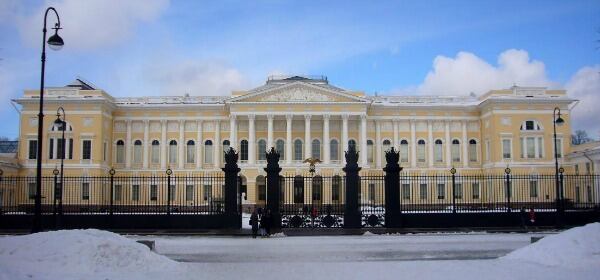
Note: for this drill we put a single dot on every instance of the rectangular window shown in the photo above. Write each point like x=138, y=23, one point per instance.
x=421, y=153
x=189, y=192
x=475, y=190
x=85, y=191
x=441, y=190
x=522, y=147
x=559, y=148
x=405, y=191
x=71, y=148
x=51, y=149
x=423, y=191
x=459, y=191
x=438, y=153
x=118, y=192
x=533, y=188
x=207, y=192
x=262, y=192
x=153, y=192
x=86, y=152
x=506, y=151
x=403, y=152
x=31, y=190
x=455, y=150
x=540, y=147
x=530, y=147
x=172, y=192
x=135, y=192
x=32, y=149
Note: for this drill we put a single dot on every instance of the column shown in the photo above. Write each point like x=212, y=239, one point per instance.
x=127, y=146
x=448, y=145
x=181, y=146
x=288, y=139
x=251, y=140
x=430, y=143
x=344, y=137
x=307, y=148
x=163, y=145
x=146, y=144
x=218, y=154
x=269, y=132
x=396, y=143
x=378, y=144
x=363, y=140
x=326, y=152
x=465, y=146
x=233, y=132
x=413, y=144
x=199, y=144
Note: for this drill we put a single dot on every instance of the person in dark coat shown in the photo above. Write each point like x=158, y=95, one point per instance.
x=268, y=218
x=254, y=223
x=263, y=225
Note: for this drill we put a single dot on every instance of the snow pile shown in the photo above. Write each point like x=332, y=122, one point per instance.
x=71, y=253
x=576, y=247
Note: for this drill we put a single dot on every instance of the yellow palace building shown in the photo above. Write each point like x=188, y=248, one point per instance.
x=300, y=116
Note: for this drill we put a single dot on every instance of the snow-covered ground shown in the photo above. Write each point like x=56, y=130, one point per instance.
x=92, y=254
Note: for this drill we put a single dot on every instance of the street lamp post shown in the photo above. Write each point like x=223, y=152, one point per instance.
x=55, y=43
x=62, y=125
x=557, y=120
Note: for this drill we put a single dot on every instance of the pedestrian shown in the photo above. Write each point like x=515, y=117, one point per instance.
x=532, y=216
x=254, y=223
x=263, y=225
x=523, y=216
x=268, y=218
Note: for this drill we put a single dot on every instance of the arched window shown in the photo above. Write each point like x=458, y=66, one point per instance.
x=190, y=155
x=208, y=151
x=437, y=152
x=262, y=149
x=120, y=152
x=298, y=189
x=352, y=144
x=298, y=149
x=280, y=147
x=155, y=151
x=455, y=150
x=137, y=151
x=473, y=150
x=226, y=145
x=403, y=151
x=261, y=186
x=386, y=145
x=370, y=150
x=316, y=149
x=334, y=150
x=421, y=150
x=317, y=188
x=244, y=150
x=173, y=152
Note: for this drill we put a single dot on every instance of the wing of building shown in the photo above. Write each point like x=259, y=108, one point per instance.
x=302, y=117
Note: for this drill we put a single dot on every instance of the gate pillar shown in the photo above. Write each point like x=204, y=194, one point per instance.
x=352, y=216
x=231, y=184
x=392, y=189
x=273, y=188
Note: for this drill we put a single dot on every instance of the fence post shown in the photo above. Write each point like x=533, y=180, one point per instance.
x=392, y=188
x=453, y=172
x=169, y=172
x=352, y=214
x=274, y=189
x=562, y=193
x=112, y=184
x=55, y=173
x=507, y=189
x=231, y=181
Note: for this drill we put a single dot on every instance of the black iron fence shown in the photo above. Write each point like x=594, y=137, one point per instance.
x=115, y=195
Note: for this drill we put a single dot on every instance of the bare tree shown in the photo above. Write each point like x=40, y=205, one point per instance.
x=580, y=137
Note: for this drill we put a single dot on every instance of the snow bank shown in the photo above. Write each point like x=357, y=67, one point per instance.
x=75, y=253
x=576, y=247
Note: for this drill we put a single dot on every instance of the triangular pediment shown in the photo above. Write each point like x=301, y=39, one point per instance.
x=297, y=92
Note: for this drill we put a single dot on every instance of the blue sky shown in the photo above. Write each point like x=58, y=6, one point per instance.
x=160, y=47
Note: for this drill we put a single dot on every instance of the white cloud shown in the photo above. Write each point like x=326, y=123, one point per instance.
x=91, y=24
x=468, y=73
x=585, y=86
x=194, y=77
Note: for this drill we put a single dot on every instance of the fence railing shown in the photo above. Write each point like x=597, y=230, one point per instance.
x=115, y=195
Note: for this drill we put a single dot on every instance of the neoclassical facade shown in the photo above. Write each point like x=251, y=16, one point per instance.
x=302, y=117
